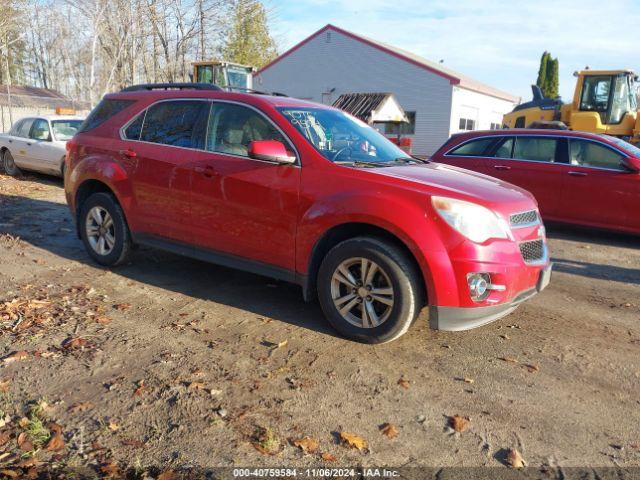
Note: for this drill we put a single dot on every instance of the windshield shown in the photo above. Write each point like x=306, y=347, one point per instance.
x=65, y=129
x=342, y=138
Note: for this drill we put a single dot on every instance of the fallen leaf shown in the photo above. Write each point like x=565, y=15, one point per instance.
x=328, y=457
x=113, y=426
x=16, y=356
x=514, y=459
x=81, y=407
x=389, y=430
x=458, y=424
x=141, y=389
x=24, y=443
x=103, y=320
x=122, y=306
x=168, y=475
x=56, y=442
x=306, y=444
x=9, y=473
x=110, y=469
x=352, y=440
x=24, y=422
x=74, y=343
x=508, y=359
x=4, y=385
x=404, y=383
x=532, y=368
x=4, y=438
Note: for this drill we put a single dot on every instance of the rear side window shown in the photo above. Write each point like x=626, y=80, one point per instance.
x=106, y=109
x=474, y=148
x=181, y=123
x=25, y=128
x=132, y=132
x=539, y=149
x=591, y=154
x=15, y=128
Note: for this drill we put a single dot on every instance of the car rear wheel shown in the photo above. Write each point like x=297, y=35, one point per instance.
x=104, y=230
x=369, y=290
x=9, y=164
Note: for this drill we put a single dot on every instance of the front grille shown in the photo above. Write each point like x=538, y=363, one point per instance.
x=524, y=218
x=532, y=251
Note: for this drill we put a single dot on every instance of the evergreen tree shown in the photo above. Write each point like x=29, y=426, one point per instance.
x=552, y=79
x=542, y=71
x=249, y=41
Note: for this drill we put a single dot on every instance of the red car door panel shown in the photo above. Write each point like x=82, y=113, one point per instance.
x=239, y=205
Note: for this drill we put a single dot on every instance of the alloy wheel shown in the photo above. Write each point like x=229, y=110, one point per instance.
x=100, y=231
x=362, y=292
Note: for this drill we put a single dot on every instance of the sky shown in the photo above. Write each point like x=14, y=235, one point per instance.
x=496, y=42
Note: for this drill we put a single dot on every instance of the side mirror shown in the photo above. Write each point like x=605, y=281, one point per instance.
x=632, y=163
x=271, y=151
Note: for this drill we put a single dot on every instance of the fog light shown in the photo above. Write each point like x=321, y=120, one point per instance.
x=479, y=286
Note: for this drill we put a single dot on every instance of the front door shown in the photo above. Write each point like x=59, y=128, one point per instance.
x=242, y=206
x=599, y=190
x=40, y=149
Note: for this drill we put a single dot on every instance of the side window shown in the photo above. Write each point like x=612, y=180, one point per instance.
x=25, y=128
x=505, y=148
x=232, y=127
x=474, y=148
x=16, y=128
x=539, y=149
x=106, y=109
x=40, y=130
x=132, y=132
x=519, y=122
x=591, y=154
x=181, y=123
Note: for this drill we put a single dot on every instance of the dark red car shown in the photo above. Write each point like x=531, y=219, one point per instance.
x=578, y=178
x=308, y=194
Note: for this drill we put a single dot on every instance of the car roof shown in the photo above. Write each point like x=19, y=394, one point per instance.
x=250, y=98
x=57, y=117
x=529, y=131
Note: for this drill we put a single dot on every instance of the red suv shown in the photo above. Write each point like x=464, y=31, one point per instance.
x=308, y=194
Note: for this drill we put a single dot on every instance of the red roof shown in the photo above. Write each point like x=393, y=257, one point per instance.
x=455, y=78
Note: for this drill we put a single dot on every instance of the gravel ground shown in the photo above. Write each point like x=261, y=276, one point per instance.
x=176, y=363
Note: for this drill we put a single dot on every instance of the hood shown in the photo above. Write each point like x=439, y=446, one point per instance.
x=463, y=184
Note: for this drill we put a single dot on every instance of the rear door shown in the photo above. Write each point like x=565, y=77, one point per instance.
x=599, y=189
x=19, y=143
x=161, y=145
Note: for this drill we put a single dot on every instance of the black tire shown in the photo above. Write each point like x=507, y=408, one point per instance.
x=400, y=271
x=9, y=165
x=122, y=245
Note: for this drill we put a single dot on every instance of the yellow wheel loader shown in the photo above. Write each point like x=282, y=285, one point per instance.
x=231, y=76
x=604, y=101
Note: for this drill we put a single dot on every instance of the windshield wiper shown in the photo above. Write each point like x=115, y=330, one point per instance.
x=411, y=159
x=362, y=163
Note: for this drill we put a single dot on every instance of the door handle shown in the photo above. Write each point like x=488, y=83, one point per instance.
x=28, y=144
x=10, y=141
x=577, y=174
x=128, y=153
x=502, y=167
x=207, y=171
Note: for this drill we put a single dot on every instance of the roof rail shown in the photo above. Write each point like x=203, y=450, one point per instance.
x=256, y=92
x=171, y=86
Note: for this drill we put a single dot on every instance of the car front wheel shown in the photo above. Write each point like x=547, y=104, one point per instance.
x=104, y=230
x=369, y=290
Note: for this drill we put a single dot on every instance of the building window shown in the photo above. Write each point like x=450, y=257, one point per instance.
x=401, y=128
x=495, y=126
x=467, y=124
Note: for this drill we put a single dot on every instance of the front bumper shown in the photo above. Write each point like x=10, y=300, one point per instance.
x=465, y=318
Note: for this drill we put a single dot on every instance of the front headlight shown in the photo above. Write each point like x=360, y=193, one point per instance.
x=474, y=221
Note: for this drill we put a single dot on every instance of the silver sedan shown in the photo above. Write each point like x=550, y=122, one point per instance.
x=38, y=144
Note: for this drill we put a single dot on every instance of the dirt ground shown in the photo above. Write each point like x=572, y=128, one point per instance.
x=176, y=363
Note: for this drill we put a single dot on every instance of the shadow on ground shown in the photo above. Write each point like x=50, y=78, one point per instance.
x=49, y=226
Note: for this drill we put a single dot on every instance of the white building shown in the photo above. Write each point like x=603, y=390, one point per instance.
x=438, y=101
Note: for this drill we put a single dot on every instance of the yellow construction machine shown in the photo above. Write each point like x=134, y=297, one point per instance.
x=231, y=76
x=604, y=101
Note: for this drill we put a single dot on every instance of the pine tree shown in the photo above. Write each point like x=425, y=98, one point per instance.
x=249, y=41
x=552, y=78
x=542, y=71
